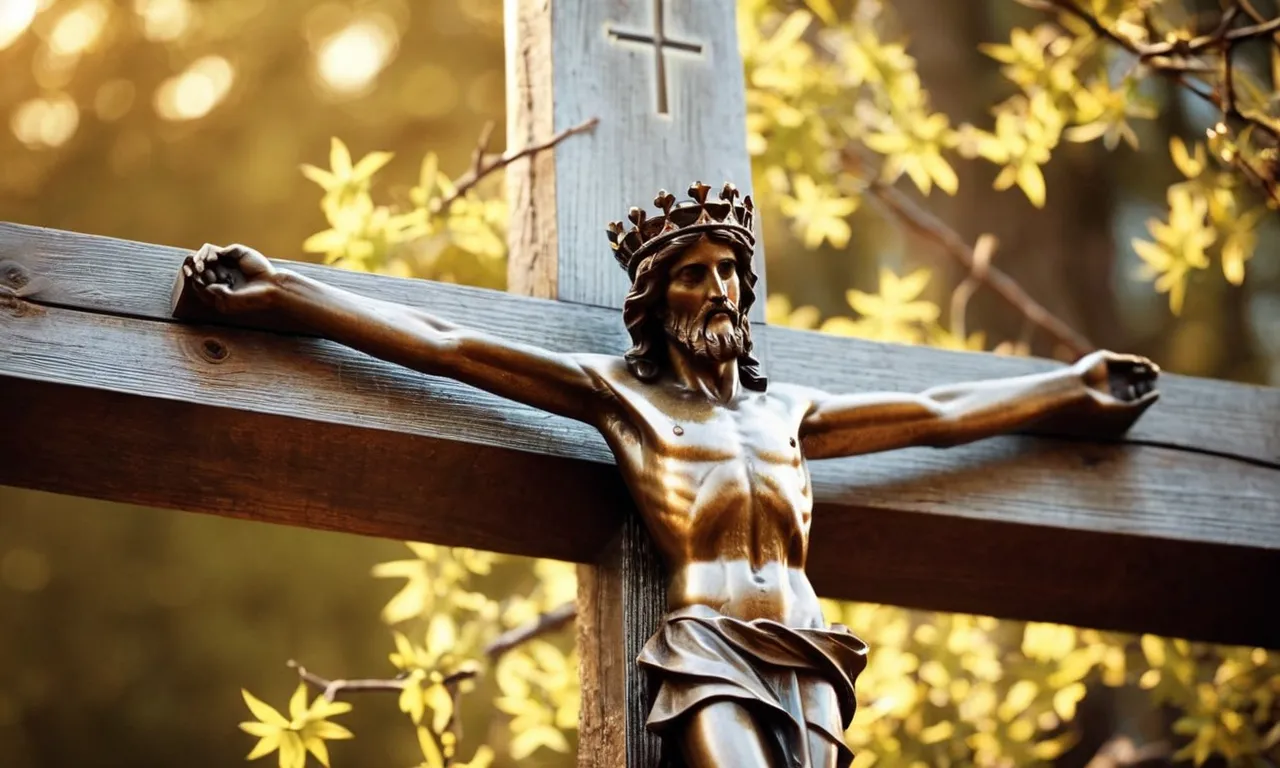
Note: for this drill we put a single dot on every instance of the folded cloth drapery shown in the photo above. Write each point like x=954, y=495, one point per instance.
x=783, y=675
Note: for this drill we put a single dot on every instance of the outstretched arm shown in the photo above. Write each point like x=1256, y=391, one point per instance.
x=236, y=280
x=1102, y=393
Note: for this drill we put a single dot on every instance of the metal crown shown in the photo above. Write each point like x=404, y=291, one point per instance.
x=647, y=235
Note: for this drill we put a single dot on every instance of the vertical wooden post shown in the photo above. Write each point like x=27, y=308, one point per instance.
x=665, y=79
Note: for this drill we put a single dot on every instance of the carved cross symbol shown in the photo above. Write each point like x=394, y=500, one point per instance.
x=659, y=41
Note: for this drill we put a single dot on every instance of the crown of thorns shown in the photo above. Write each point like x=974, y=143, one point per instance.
x=647, y=236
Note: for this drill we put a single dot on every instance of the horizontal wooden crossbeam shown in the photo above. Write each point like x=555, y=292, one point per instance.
x=1175, y=530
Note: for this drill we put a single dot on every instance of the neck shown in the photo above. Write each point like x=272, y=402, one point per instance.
x=718, y=381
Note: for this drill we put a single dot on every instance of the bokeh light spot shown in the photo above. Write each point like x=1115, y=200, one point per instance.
x=196, y=91
x=349, y=60
x=114, y=99
x=15, y=17
x=78, y=29
x=163, y=20
x=45, y=122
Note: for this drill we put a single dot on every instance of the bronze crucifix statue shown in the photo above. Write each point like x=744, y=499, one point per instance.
x=748, y=671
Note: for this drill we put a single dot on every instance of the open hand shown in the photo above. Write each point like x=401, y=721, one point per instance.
x=231, y=278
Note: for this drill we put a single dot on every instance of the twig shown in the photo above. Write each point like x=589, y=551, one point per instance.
x=926, y=224
x=482, y=147
x=545, y=623
x=1172, y=59
x=482, y=167
x=930, y=226
x=331, y=688
x=1120, y=751
x=982, y=252
x=550, y=621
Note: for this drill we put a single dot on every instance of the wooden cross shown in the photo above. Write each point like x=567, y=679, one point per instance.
x=1170, y=531
x=660, y=43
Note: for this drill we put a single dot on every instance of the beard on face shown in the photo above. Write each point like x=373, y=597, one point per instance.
x=693, y=332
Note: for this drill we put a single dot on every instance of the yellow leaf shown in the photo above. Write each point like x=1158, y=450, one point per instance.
x=262, y=711
x=370, y=164
x=1190, y=165
x=937, y=732
x=483, y=758
x=430, y=752
x=339, y=159
x=1006, y=177
x=326, y=180
x=942, y=172
x=317, y=747
x=298, y=702
x=292, y=753
x=265, y=746
x=327, y=241
x=1065, y=700
x=1234, y=255
x=823, y=10
x=324, y=729
x=1086, y=132
x=441, y=704
x=1019, y=697
x=526, y=742
x=887, y=143
x=442, y=634
x=1032, y=183
x=1153, y=649
x=411, y=700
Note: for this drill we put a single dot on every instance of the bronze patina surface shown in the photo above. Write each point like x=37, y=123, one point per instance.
x=748, y=671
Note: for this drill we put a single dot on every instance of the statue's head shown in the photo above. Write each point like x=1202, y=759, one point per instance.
x=692, y=282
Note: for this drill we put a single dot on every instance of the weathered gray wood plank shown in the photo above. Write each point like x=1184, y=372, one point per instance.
x=88, y=272
x=635, y=151
x=130, y=408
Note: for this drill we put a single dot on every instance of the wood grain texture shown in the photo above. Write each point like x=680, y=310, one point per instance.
x=621, y=597
x=532, y=239
x=1115, y=536
x=634, y=151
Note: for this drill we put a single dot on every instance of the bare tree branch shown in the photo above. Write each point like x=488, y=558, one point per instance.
x=1176, y=58
x=482, y=166
x=924, y=223
x=547, y=622
x=331, y=688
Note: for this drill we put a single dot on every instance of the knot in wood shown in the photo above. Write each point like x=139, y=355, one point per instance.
x=13, y=276
x=214, y=351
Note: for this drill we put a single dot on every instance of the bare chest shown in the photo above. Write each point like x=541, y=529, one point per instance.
x=698, y=460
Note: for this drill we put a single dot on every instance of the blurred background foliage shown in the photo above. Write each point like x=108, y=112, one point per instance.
x=344, y=132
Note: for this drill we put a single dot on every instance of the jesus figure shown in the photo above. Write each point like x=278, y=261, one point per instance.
x=747, y=671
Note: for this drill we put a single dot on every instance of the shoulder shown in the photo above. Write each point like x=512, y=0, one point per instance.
x=609, y=367
x=795, y=395
x=609, y=372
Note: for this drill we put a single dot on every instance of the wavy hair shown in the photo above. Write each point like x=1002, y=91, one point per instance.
x=648, y=354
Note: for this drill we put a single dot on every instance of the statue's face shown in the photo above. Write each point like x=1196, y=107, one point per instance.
x=702, y=302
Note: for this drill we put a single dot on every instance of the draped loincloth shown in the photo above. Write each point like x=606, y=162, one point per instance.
x=699, y=656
